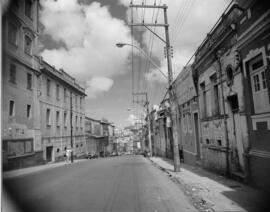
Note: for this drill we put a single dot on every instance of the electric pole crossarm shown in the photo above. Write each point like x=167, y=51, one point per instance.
x=155, y=34
x=148, y=24
x=148, y=6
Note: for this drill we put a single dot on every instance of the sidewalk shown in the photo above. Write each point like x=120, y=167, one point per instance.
x=29, y=170
x=211, y=192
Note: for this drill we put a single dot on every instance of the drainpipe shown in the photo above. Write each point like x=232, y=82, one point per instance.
x=218, y=54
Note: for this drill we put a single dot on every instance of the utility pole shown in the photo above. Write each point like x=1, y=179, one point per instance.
x=148, y=119
x=170, y=76
x=176, y=157
x=71, y=128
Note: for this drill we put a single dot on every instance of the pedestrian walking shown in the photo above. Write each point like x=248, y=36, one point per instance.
x=68, y=156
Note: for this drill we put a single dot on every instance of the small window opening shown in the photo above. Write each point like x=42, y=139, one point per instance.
x=233, y=100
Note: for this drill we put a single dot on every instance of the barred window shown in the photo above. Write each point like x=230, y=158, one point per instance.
x=29, y=81
x=12, y=73
x=13, y=34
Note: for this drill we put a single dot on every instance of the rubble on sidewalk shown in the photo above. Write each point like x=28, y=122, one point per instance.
x=211, y=192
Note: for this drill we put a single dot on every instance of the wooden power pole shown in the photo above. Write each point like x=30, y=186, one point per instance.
x=170, y=75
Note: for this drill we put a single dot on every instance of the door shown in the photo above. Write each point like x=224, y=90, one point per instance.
x=49, y=150
x=196, y=126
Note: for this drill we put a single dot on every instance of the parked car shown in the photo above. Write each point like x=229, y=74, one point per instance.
x=91, y=155
x=113, y=154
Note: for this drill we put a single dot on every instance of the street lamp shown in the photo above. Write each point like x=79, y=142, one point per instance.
x=120, y=45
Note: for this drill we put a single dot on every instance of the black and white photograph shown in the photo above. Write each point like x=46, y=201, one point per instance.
x=135, y=105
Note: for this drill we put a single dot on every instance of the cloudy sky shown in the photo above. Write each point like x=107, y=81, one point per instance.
x=80, y=37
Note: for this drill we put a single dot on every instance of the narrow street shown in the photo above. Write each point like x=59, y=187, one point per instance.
x=124, y=183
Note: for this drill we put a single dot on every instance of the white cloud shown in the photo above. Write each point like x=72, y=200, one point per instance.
x=189, y=24
x=89, y=33
x=131, y=119
x=178, y=62
x=98, y=85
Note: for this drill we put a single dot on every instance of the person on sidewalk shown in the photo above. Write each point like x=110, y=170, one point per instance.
x=68, y=156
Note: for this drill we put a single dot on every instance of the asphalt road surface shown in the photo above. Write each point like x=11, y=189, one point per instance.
x=124, y=183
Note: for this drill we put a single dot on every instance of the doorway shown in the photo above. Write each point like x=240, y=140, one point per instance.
x=49, y=150
x=196, y=125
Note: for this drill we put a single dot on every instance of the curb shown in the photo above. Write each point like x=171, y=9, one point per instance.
x=198, y=201
x=34, y=169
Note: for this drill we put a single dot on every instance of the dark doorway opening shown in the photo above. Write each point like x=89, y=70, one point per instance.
x=196, y=125
x=49, y=150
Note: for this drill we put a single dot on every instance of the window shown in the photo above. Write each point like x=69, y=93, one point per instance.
x=48, y=117
x=81, y=123
x=11, y=108
x=184, y=121
x=57, y=91
x=233, y=101
x=29, y=8
x=229, y=73
x=48, y=87
x=57, y=119
x=257, y=71
x=76, y=122
x=203, y=100
x=19, y=148
x=256, y=82
x=29, y=81
x=215, y=95
x=80, y=102
x=65, y=119
x=188, y=117
x=12, y=73
x=12, y=34
x=263, y=80
x=65, y=95
x=76, y=102
x=28, y=111
x=27, y=44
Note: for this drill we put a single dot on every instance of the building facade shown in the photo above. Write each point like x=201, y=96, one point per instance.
x=254, y=47
x=21, y=134
x=62, y=113
x=188, y=116
x=92, y=135
x=99, y=136
x=221, y=97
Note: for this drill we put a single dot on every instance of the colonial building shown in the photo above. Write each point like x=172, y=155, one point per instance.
x=99, y=135
x=20, y=131
x=221, y=97
x=62, y=113
x=188, y=116
x=111, y=136
x=254, y=47
x=163, y=132
x=92, y=135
